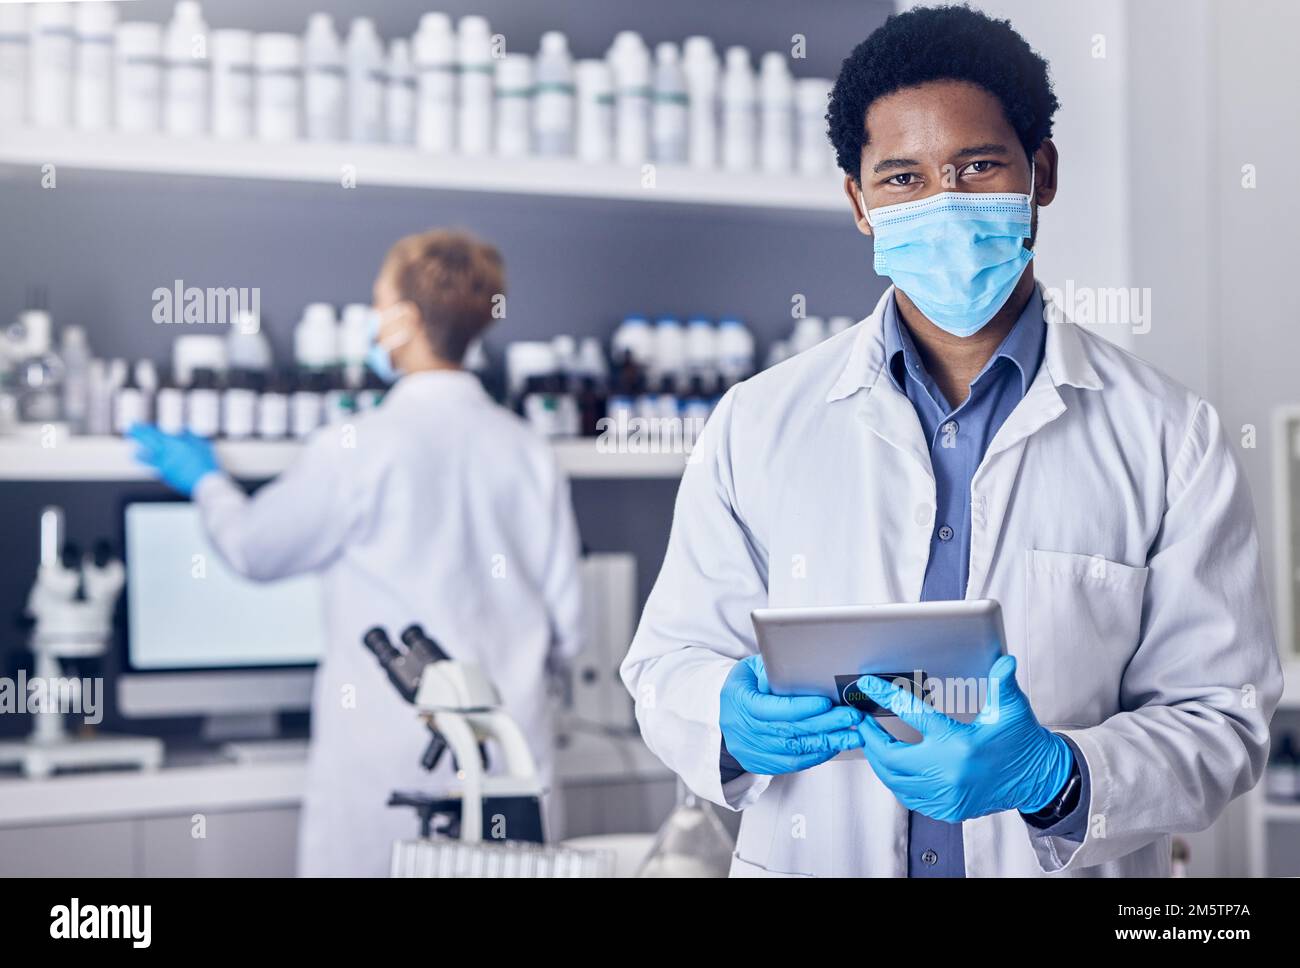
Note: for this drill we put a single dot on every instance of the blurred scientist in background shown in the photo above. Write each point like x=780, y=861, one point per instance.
x=438, y=507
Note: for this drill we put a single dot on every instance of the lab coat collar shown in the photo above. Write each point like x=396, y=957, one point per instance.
x=1064, y=358
x=461, y=384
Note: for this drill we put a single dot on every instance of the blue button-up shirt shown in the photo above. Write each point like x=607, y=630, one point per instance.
x=958, y=438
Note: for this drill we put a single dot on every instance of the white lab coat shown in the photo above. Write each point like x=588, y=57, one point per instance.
x=440, y=508
x=1109, y=518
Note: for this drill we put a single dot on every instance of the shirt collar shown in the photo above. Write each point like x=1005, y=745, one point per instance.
x=1065, y=358
x=1023, y=345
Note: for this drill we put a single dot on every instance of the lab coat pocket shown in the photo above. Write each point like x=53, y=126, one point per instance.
x=1083, y=619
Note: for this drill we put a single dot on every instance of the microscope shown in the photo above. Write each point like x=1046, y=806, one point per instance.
x=462, y=711
x=493, y=828
x=71, y=603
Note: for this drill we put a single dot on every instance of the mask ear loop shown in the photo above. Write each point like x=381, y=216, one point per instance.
x=405, y=336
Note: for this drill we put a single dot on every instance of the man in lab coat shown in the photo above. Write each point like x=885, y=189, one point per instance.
x=964, y=441
x=439, y=507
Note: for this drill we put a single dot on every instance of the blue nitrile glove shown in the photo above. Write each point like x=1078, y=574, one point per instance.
x=1004, y=760
x=181, y=460
x=770, y=734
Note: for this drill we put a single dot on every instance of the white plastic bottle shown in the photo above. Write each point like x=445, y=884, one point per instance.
x=354, y=342
x=669, y=348
x=838, y=324
x=169, y=408
x=306, y=405
x=366, y=82
x=595, y=121
x=513, y=111
x=474, y=104
x=137, y=84
x=186, y=91
x=323, y=81
x=273, y=409
x=232, y=84
x=203, y=404
x=399, y=98
x=316, y=338
x=807, y=333
x=700, y=63
x=775, y=114
x=435, y=68
x=738, y=143
x=735, y=349
x=52, y=49
x=814, y=154
x=669, y=124
x=132, y=403
x=92, y=102
x=15, y=42
x=630, y=63
x=553, y=107
x=701, y=345
x=635, y=338
x=239, y=406
x=279, y=87
x=74, y=350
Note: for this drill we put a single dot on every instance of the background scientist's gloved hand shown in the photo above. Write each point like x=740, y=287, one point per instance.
x=769, y=734
x=181, y=460
x=1004, y=760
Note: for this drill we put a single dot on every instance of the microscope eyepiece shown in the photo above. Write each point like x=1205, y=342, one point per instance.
x=403, y=668
x=414, y=638
x=376, y=640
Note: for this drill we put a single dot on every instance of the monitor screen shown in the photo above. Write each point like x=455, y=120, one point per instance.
x=187, y=610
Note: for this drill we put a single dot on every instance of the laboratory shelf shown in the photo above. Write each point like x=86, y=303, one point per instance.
x=1278, y=810
x=111, y=459
x=403, y=167
x=1291, y=688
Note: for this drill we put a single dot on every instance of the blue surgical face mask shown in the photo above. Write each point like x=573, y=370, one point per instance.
x=379, y=357
x=957, y=255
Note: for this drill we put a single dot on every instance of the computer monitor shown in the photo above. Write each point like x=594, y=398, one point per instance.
x=200, y=639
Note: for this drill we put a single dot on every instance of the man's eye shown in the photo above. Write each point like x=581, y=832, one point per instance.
x=904, y=179
x=976, y=167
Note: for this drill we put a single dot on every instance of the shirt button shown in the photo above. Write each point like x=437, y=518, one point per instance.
x=950, y=428
x=945, y=533
x=930, y=858
x=924, y=515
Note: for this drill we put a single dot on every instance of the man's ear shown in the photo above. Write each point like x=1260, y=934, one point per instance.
x=855, y=200
x=1047, y=165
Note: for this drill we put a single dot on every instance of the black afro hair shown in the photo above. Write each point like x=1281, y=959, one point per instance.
x=940, y=43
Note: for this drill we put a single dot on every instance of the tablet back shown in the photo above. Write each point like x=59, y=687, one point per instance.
x=939, y=650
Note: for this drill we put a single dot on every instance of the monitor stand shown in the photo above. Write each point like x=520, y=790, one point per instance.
x=224, y=727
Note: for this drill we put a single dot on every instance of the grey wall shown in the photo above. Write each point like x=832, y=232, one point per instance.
x=101, y=244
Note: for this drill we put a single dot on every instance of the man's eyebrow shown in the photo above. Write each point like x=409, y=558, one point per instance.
x=991, y=148
x=893, y=164
x=889, y=164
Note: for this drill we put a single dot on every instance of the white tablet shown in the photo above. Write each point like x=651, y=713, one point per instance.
x=941, y=651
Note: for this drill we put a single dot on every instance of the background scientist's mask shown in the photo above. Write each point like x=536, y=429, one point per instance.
x=390, y=331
